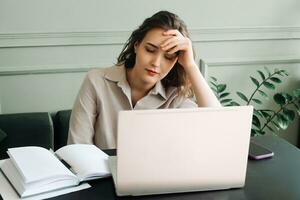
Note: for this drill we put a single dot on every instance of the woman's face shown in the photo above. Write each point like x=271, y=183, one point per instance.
x=152, y=64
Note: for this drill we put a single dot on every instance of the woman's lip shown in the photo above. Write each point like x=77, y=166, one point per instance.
x=152, y=71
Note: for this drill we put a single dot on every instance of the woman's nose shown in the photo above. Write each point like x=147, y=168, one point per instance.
x=156, y=60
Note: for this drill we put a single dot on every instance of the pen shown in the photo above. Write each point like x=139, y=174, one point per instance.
x=65, y=164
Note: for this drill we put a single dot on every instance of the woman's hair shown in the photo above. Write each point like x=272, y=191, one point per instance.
x=177, y=77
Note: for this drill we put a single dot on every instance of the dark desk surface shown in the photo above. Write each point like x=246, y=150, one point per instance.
x=276, y=178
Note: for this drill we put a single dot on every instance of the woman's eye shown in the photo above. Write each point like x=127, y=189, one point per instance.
x=170, y=56
x=149, y=50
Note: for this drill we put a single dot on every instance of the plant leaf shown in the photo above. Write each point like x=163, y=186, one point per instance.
x=279, y=99
x=221, y=87
x=282, y=121
x=254, y=81
x=255, y=121
x=268, y=71
x=269, y=85
x=275, y=80
x=225, y=101
x=224, y=95
x=281, y=72
x=297, y=108
x=254, y=132
x=214, y=84
x=265, y=114
x=214, y=78
x=287, y=97
x=242, y=96
x=233, y=103
x=261, y=75
x=257, y=101
x=262, y=93
x=296, y=92
x=284, y=72
x=290, y=114
x=259, y=132
x=276, y=125
x=258, y=113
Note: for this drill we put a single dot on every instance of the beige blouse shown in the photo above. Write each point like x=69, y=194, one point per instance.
x=102, y=95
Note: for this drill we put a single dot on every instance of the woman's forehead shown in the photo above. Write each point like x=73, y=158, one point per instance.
x=155, y=36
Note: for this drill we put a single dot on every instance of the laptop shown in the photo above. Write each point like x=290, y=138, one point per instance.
x=181, y=150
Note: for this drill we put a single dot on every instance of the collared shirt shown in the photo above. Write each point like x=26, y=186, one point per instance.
x=103, y=94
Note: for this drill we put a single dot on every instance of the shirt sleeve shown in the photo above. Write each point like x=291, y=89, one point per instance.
x=83, y=114
x=188, y=103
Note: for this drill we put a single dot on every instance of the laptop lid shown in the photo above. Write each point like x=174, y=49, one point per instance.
x=181, y=150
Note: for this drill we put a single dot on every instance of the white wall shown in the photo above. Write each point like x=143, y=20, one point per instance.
x=46, y=47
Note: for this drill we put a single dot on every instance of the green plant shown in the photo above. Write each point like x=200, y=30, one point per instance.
x=288, y=105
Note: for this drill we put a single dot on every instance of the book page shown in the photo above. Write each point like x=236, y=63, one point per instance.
x=13, y=175
x=86, y=160
x=8, y=192
x=37, y=163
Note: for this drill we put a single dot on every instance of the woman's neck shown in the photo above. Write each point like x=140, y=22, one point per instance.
x=139, y=88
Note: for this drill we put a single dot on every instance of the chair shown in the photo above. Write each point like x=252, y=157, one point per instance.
x=2, y=135
x=203, y=68
x=61, y=128
x=26, y=129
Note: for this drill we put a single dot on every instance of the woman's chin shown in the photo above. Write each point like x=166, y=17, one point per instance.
x=150, y=80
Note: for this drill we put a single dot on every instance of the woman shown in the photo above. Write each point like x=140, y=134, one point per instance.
x=155, y=70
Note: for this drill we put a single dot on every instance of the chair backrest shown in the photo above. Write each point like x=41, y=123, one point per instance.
x=3, y=135
x=61, y=128
x=203, y=68
x=26, y=129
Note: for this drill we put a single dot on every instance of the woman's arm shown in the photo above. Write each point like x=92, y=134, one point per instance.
x=177, y=42
x=204, y=95
x=83, y=115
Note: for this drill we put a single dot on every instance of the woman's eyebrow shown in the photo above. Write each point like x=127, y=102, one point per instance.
x=148, y=43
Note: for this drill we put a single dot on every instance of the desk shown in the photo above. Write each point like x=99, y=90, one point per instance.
x=276, y=178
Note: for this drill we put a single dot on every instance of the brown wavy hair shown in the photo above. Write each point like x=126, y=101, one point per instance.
x=177, y=77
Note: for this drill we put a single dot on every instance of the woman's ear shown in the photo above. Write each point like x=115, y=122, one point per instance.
x=136, y=44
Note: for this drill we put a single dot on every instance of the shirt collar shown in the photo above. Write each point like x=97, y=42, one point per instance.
x=118, y=74
x=159, y=89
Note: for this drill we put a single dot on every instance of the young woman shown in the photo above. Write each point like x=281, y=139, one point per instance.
x=155, y=70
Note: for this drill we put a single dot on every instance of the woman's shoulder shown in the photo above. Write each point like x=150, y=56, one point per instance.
x=99, y=73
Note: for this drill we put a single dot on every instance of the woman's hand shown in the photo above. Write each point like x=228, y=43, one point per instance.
x=181, y=44
x=176, y=42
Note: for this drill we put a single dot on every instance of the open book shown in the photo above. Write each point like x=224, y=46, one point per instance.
x=34, y=170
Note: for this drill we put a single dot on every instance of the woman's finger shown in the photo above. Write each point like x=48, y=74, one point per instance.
x=174, y=50
x=173, y=32
x=167, y=41
x=172, y=45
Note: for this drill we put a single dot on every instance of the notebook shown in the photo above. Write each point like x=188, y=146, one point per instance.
x=181, y=150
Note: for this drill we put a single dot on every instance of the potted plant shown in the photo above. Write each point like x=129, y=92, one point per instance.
x=288, y=104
